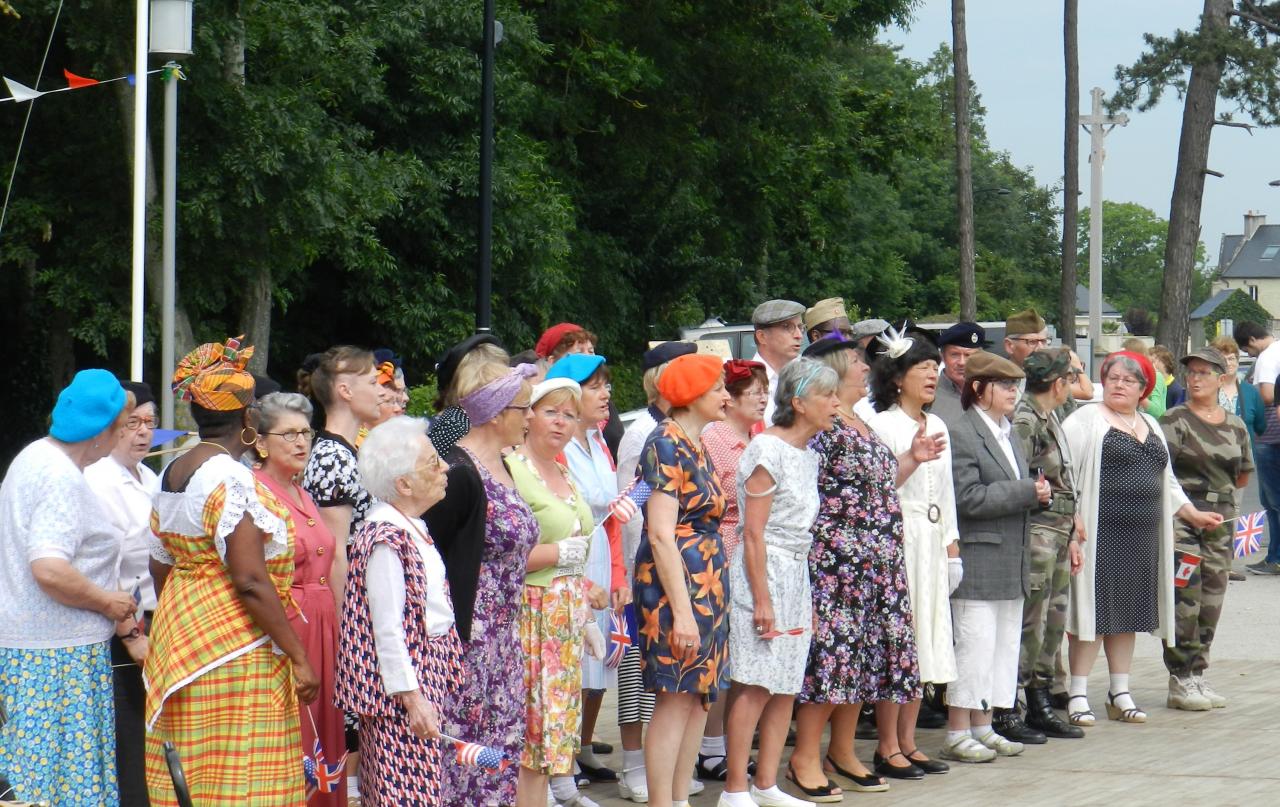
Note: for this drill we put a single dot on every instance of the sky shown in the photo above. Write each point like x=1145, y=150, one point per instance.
x=1016, y=63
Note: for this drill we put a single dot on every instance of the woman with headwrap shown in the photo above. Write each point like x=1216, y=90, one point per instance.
x=485, y=531
x=224, y=664
x=62, y=605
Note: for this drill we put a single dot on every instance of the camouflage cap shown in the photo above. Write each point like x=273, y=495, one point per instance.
x=1024, y=322
x=1046, y=366
x=1209, y=355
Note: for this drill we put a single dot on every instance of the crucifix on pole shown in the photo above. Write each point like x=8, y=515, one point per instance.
x=1098, y=126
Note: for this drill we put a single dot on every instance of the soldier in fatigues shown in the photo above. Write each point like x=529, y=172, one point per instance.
x=1055, y=535
x=1209, y=452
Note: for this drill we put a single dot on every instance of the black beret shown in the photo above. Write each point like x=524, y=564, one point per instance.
x=829, y=344
x=661, y=354
x=447, y=364
x=964, y=334
x=141, y=391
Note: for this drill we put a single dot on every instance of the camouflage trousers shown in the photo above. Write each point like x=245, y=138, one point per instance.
x=1044, y=613
x=1198, y=606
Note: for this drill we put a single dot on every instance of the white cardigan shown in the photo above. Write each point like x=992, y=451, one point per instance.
x=1085, y=430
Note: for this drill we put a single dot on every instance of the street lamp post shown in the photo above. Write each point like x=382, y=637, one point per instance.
x=170, y=36
x=484, y=269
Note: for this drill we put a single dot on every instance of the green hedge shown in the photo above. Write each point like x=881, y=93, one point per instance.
x=1239, y=307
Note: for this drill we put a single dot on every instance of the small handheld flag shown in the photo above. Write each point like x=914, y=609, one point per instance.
x=490, y=759
x=618, y=641
x=1248, y=534
x=629, y=502
x=1186, y=564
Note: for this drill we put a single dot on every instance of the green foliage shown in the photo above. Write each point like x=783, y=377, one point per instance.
x=1238, y=307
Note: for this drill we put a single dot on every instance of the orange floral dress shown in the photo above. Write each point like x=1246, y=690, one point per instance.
x=672, y=464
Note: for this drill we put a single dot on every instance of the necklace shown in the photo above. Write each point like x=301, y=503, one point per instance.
x=1214, y=414
x=1132, y=425
x=218, y=446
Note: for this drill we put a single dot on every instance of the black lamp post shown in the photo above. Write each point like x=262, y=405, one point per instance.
x=484, y=269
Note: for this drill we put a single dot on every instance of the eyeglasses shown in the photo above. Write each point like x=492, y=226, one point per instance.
x=1202, y=374
x=1007, y=384
x=553, y=415
x=133, y=424
x=1033, y=341
x=1123, y=380
x=788, y=326
x=756, y=393
x=292, y=436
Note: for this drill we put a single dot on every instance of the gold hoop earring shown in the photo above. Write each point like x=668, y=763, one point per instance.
x=249, y=441
x=262, y=454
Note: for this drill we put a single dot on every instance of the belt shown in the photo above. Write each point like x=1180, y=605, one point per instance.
x=1214, y=496
x=1062, y=505
x=791, y=554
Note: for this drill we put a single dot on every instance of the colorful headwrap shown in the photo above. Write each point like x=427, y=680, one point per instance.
x=486, y=403
x=213, y=376
x=386, y=373
x=740, y=369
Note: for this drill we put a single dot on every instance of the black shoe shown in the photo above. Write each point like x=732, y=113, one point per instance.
x=1008, y=724
x=1059, y=700
x=1040, y=715
x=929, y=718
x=908, y=771
x=717, y=772
x=598, y=747
x=596, y=774
x=866, y=729
x=934, y=766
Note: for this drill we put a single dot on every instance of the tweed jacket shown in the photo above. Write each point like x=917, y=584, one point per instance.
x=992, y=506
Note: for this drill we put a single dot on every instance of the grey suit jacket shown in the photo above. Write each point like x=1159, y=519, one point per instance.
x=946, y=401
x=992, y=506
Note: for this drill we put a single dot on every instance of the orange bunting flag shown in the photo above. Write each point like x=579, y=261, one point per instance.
x=76, y=82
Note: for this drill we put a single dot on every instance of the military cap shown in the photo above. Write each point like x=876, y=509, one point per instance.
x=964, y=334
x=772, y=312
x=659, y=355
x=1209, y=355
x=988, y=365
x=824, y=311
x=1023, y=322
x=1045, y=366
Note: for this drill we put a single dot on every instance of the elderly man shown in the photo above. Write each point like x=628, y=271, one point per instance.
x=957, y=343
x=779, y=337
x=1024, y=334
x=825, y=318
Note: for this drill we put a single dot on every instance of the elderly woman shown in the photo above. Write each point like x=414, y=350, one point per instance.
x=683, y=647
x=224, y=663
x=553, y=606
x=904, y=379
x=1238, y=397
x=863, y=649
x=994, y=494
x=399, y=658
x=283, y=445
x=124, y=487
x=58, y=585
x=1128, y=499
x=772, y=614
x=485, y=531
x=1210, y=454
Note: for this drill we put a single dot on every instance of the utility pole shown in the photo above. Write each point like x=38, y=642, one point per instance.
x=1098, y=126
x=964, y=168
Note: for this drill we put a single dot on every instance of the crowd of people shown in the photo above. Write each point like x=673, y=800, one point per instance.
x=321, y=596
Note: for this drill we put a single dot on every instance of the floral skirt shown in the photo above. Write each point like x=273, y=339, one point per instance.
x=59, y=745
x=551, y=623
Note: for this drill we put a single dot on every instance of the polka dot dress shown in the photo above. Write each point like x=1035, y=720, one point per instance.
x=1128, y=561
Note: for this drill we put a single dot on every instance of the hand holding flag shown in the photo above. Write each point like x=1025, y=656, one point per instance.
x=490, y=759
x=629, y=502
x=1247, y=537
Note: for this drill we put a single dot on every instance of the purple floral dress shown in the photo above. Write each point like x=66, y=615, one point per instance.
x=489, y=707
x=864, y=646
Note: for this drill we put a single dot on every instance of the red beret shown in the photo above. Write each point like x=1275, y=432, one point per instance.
x=688, y=377
x=552, y=336
x=1147, y=368
x=738, y=369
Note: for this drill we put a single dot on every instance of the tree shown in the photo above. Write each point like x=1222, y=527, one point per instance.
x=1070, y=174
x=964, y=169
x=1233, y=54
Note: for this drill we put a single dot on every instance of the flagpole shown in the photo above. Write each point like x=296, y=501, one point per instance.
x=140, y=47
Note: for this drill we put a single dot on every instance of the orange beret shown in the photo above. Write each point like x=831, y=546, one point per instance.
x=688, y=377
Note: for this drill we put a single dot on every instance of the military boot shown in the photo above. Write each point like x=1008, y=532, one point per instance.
x=1040, y=715
x=1008, y=724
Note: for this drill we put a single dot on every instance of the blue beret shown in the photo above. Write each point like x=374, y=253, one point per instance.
x=578, y=366
x=89, y=404
x=964, y=334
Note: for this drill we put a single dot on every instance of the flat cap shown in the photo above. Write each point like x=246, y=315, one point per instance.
x=772, y=312
x=1023, y=322
x=1049, y=365
x=988, y=365
x=660, y=354
x=1209, y=355
x=868, y=327
x=964, y=334
x=824, y=311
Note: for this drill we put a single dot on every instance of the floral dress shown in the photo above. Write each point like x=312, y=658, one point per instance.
x=672, y=464
x=490, y=706
x=864, y=646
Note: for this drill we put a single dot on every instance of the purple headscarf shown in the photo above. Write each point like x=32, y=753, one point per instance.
x=486, y=403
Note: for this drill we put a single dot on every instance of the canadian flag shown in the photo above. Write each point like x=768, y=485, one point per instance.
x=1187, y=562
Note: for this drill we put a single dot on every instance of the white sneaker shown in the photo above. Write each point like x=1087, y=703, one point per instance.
x=695, y=787
x=578, y=800
x=736, y=799
x=776, y=797
x=1215, y=700
x=633, y=785
x=1185, y=695
x=967, y=749
x=551, y=798
x=1000, y=744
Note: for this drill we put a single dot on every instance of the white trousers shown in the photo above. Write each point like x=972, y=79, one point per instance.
x=988, y=634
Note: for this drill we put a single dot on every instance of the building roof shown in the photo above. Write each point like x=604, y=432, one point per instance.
x=1210, y=305
x=1259, y=257
x=1082, y=303
x=1227, y=249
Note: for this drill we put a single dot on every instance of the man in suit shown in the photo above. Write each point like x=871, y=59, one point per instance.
x=957, y=344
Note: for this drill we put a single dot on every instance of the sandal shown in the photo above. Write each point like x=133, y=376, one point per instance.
x=717, y=772
x=1080, y=717
x=1134, y=715
x=933, y=766
x=869, y=783
x=823, y=794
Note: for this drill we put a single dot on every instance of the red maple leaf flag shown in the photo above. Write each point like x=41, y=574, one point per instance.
x=76, y=82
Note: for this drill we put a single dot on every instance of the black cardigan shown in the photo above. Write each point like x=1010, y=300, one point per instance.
x=457, y=524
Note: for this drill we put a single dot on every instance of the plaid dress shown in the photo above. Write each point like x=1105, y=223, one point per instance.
x=215, y=688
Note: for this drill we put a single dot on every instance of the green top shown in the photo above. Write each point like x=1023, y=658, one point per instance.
x=1156, y=403
x=1206, y=457
x=557, y=519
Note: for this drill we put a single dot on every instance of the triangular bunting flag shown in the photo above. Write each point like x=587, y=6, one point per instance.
x=21, y=92
x=76, y=82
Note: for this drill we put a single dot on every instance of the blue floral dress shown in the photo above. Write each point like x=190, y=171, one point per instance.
x=672, y=464
x=864, y=646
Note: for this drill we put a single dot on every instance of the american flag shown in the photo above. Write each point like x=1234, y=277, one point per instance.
x=630, y=501
x=491, y=759
x=1248, y=534
x=309, y=772
x=618, y=641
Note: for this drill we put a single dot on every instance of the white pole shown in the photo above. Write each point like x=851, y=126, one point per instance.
x=139, y=184
x=170, y=238
x=1096, y=156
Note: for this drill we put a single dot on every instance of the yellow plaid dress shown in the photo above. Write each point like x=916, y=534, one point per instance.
x=215, y=688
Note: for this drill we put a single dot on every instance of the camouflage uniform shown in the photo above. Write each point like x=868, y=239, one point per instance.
x=1207, y=459
x=1044, y=613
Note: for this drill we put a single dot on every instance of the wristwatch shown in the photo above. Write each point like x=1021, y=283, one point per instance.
x=131, y=635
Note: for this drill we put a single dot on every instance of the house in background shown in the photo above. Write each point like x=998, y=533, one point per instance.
x=1250, y=262
x=1109, y=312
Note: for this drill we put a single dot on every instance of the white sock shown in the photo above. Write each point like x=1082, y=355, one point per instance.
x=588, y=757
x=954, y=737
x=1120, y=683
x=632, y=760
x=982, y=732
x=741, y=798
x=563, y=787
x=353, y=787
x=1079, y=685
x=712, y=746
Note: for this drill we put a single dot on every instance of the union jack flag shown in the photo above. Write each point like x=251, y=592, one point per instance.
x=319, y=774
x=491, y=759
x=1248, y=534
x=629, y=502
x=618, y=641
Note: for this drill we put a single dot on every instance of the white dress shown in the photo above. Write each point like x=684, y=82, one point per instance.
x=927, y=491
x=776, y=664
x=592, y=470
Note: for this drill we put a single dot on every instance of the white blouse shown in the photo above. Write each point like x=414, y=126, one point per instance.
x=126, y=502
